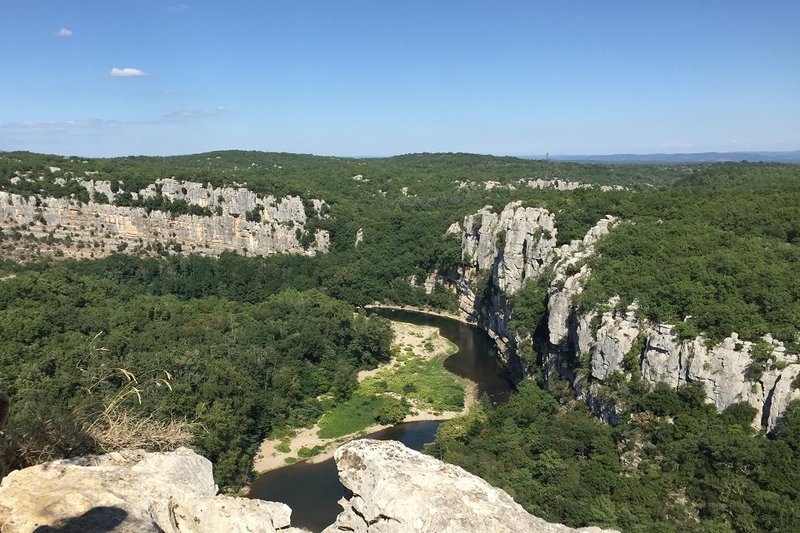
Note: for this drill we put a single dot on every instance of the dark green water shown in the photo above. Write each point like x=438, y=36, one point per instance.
x=312, y=490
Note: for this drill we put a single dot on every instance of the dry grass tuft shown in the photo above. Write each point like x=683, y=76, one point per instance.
x=120, y=429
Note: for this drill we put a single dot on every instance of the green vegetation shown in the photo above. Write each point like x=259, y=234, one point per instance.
x=530, y=305
x=232, y=349
x=161, y=203
x=305, y=453
x=425, y=381
x=762, y=358
x=715, y=254
x=360, y=412
x=229, y=371
x=674, y=465
x=388, y=396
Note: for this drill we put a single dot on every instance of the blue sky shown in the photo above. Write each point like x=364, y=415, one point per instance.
x=120, y=77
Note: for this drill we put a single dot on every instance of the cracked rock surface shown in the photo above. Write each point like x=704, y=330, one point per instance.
x=131, y=491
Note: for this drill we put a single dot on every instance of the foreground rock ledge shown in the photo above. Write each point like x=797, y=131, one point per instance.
x=396, y=489
x=131, y=491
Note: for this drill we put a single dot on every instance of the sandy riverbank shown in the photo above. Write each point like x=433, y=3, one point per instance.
x=463, y=318
x=270, y=456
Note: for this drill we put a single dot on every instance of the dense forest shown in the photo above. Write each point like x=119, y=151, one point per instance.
x=673, y=464
x=75, y=346
x=220, y=352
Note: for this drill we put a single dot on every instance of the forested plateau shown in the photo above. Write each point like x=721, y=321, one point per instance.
x=214, y=299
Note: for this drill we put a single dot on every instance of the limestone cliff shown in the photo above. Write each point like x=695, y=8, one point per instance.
x=395, y=489
x=227, y=218
x=131, y=491
x=503, y=251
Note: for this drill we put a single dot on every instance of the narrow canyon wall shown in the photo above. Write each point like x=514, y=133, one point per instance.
x=504, y=250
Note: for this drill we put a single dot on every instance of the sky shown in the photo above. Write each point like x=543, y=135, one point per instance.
x=370, y=78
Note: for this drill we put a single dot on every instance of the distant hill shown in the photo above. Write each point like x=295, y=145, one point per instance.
x=703, y=157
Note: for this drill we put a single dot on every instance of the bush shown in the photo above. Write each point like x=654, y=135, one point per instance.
x=394, y=411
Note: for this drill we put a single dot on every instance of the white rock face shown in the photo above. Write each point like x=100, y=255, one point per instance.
x=516, y=245
x=131, y=491
x=513, y=246
x=104, y=228
x=396, y=489
x=604, y=336
x=520, y=239
x=568, y=257
x=666, y=358
x=557, y=184
x=613, y=341
x=663, y=358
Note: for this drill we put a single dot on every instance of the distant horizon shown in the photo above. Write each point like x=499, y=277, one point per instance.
x=357, y=77
x=789, y=156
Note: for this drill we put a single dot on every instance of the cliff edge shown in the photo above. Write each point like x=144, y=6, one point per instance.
x=395, y=489
x=131, y=491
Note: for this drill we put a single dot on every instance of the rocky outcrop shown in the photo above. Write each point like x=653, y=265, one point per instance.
x=395, y=489
x=131, y=491
x=515, y=244
x=509, y=248
x=232, y=219
x=500, y=252
x=556, y=184
x=621, y=342
x=589, y=348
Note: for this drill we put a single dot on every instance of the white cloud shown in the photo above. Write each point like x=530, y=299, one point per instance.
x=126, y=72
x=64, y=32
x=180, y=7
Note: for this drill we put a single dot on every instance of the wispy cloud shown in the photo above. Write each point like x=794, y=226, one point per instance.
x=127, y=72
x=57, y=127
x=64, y=32
x=179, y=7
x=183, y=115
x=45, y=128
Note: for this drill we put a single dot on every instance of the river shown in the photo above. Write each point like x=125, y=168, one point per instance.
x=312, y=489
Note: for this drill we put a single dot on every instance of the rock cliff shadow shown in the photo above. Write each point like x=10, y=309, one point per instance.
x=96, y=520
